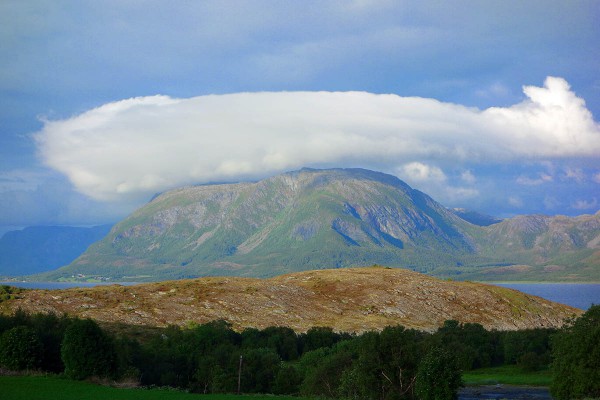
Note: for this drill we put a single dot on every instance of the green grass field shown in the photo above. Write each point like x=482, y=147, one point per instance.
x=507, y=375
x=51, y=388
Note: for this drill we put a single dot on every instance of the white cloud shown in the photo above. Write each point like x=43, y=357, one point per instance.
x=434, y=181
x=575, y=174
x=543, y=178
x=454, y=194
x=596, y=178
x=419, y=172
x=132, y=148
x=552, y=122
x=551, y=202
x=585, y=204
x=515, y=201
x=468, y=177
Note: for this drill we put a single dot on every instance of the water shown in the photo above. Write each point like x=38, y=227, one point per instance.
x=580, y=295
x=63, y=285
x=504, y=392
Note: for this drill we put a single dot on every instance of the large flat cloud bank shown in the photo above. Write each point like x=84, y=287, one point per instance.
x=132, y=148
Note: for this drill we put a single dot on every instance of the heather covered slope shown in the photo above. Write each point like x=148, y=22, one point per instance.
x=317, y=219
x=352, y=299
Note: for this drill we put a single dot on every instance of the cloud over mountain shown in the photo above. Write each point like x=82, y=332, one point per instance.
x=131, y=148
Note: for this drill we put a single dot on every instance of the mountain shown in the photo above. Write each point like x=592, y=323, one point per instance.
x=351, y=300
x=559, y=247
x=44, y=248
x=309, y=219
x=317, y=219
x=476, y=218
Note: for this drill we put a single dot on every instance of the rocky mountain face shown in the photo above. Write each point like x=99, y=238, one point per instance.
x=315, y=219
x=44, y=248
x=350, y=300
x=567, y=248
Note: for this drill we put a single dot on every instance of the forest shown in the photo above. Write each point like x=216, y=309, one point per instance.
x=395, y=363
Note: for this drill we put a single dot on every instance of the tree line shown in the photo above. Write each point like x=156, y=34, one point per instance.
x=395, y=363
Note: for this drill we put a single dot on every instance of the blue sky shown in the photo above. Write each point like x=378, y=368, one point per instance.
x=491, y=105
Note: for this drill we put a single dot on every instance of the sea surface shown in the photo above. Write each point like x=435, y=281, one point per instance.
x=62, y=285
x=580, y=295
x=507, y=392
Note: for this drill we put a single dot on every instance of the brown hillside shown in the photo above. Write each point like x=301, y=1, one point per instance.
x=352, y=300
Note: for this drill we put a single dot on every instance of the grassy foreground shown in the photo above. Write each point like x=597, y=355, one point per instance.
x=50, y=388
x=507, y=375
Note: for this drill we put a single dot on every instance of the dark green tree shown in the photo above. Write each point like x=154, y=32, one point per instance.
x=20, y=348
x=50, y=328
x=253, y=338
x=471, y=345
x=129, y=357
x=283, y=340
x=87, y=351
x=323, y=369
x=527, y=348
x=259, y=369
x=438, y=376
x=317, y=337
x=287, y=381
x=576, y=358
x=387, y=363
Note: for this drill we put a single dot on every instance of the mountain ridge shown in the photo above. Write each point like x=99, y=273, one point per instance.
x=41, y=248
x=315, y=219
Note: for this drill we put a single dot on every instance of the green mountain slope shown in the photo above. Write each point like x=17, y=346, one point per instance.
x=316, y=219
x=552, y=248
x=44, y=248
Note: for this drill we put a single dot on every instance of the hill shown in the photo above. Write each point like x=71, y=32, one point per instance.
x=44, y=248
x=352, y=300
x=315, y=219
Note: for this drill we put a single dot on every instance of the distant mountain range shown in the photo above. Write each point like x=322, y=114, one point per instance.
x=317, y=219
x=43, y=248
x=475, y=217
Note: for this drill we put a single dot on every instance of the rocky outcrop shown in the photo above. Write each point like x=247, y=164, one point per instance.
x=351, y=300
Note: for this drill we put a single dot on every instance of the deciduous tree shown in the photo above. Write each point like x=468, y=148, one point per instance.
x=20, y=348
x=438, y=376
x=576, y=358
x=87, y=351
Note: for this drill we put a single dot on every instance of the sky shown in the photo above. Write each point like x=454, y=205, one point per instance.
x=491, y=106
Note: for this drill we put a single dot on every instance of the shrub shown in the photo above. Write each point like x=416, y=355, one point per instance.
x=20, y=348
x=576, y=358
x=438, y=376
x=87, y=351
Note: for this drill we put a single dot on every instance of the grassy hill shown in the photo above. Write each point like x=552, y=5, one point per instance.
x=352, y=299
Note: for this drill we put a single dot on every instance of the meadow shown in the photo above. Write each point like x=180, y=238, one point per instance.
x=52, y=387
x=507, y=375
